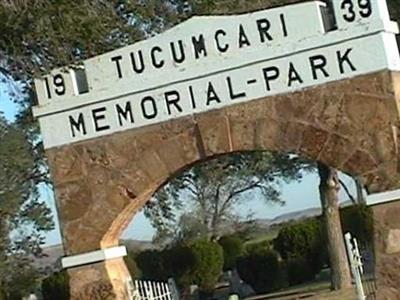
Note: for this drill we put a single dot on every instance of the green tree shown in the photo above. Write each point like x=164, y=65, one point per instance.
x=215, y=188
x=23, y=218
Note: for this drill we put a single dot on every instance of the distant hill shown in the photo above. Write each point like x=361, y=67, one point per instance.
x=265, y=224
x=137, y=245
x=50, y=262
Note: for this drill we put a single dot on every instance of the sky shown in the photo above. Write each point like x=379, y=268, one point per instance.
x=296, y=195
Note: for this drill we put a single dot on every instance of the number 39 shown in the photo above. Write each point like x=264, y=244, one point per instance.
x=364, y=9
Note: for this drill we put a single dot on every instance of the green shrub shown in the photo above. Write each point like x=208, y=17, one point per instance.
x=358, y=220
x=299, y=270
x=208, y=263
x=56, y=287
x=261, y=246
x=179, y=262
x=132, y=266
x=2, y=294
x=303, y=241
x=152, y=265
x=233, y=248
x=262, y=270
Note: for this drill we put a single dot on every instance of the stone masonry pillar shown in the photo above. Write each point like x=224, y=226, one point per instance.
x=386, y=212
x=98, y=275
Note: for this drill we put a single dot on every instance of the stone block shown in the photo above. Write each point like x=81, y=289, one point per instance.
x=66, y=164
x=314, y=140
x=337, y=151
x=188, y=145
x=214, y=133
x=360, y=162
x=151, y=164
x=73, y=200
x=393, y=241
x=171, y=154
x=242, y=134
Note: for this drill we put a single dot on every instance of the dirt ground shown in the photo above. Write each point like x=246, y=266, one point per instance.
x=342, y=295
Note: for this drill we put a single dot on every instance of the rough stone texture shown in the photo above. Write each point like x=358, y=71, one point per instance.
x=100, y=281
x=387, y=241
x=352, y=125
x=393, y=241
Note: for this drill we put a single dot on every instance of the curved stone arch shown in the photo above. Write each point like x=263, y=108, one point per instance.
x=351, y=125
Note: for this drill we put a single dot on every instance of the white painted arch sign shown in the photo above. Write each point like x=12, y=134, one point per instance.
x=207, y=63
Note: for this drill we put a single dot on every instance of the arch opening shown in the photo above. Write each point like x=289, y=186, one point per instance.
x=232, y=224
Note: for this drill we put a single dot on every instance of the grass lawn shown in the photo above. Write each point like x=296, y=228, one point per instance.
x=316, y=289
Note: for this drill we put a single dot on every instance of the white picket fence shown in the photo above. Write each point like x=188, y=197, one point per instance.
x=152, y=290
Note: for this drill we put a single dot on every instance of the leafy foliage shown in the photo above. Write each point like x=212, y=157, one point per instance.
x=299, y=270
x=233, y=248
x=300, y=239
x=39, y=35
x=208, y=264
x=23, y=218
x=56, y=287
x=176, y=261
x=132, y=266
x=180, y=263
x=262, y=270
x=200, y=263
x=152, y=265
x=303, y=244
x=358, y=220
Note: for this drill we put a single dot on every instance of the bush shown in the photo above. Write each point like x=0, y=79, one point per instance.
x=2, y=294
x=303, y=241
x=133, y=268
x=299, y=270
x=233, y=248
x=262, y=270
x=208, y=263
x=358, y=220
x=179, y=262
x=56, y=287
x=261, y=246
x=152, y=265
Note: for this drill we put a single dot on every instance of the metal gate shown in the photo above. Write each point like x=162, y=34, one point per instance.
x=362, y=263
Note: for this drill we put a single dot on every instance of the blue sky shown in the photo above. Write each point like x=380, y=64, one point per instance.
x=297, y=195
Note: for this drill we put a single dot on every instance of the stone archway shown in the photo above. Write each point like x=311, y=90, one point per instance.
x=100, y=184
x=319, y=81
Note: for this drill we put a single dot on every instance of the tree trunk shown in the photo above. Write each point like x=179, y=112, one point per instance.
x=328, y=189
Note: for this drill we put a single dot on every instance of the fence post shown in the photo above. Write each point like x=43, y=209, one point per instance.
x=355, y=261
x=173, y=290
